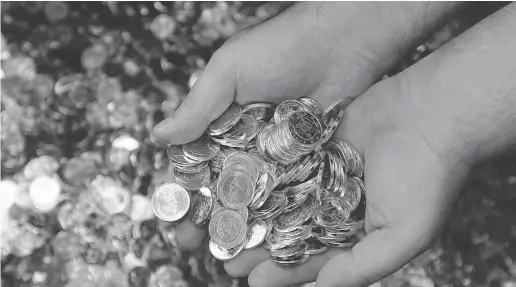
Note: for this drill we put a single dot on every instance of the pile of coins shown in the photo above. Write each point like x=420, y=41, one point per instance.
x=269, y=176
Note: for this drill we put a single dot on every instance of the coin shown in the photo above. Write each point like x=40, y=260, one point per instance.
x=358, y=169
x=285, y=109
x=292, y=262
x=191, y=168
x=227, y=228
x=289, y=221
x=243, y=158
x=202, y=149
x=255, y=234
x=305, y=128
x=170, y=202
x=251, y=127
x=235, y=190
x=353, y=192
x=201, y=208
x=263, y=189
x=315, y=246
x=227, y=120
x=290, y=251
x=260, y=111
x=332, y=212
x=224, y=254
x=312, y=105
x=272, y=213
x=236, y=133
x=192, y=181
x=334, y=109
x=217, y=207
x=176, y=155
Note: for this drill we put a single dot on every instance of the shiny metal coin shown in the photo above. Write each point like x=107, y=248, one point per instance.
x=292, y=250
x=217, y=207
x=235, y=190
x=170, y=202
x=244, y=159
x=176, y=156
x=334, y=109
x=201, y=208
x=227, y=120
x=224, y=254
x=358, y=169
x=262, y=192
x=292, y=262
x=227, y=228
x=255, y=234
x=229, y=142
x=286, y=108
x=312, y=105
x=251, y=127
x=202, y=149
x=190, y=168
x=315, y=246
x=332, y=212
x=192, y=181
x=289, y=221
x=305, y=128
x=353, y=192
x=206, y=191
x=260, y=111
x=236, y=133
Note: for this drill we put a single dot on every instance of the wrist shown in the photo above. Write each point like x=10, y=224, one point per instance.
x=391, y=28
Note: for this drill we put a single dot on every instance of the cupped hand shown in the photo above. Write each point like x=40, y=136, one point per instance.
x=412, y=167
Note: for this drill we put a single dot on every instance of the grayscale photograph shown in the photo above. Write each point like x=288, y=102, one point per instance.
x=258, y=144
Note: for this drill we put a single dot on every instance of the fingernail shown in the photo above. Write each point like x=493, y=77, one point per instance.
x=162, y=126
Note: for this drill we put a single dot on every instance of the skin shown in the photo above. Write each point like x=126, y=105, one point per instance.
x=419, y=131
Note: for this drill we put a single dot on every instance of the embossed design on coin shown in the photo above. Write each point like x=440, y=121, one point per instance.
x=227, y=228
x=305, y=128
x=287, y=108
x=235, y=190
x=170, y=202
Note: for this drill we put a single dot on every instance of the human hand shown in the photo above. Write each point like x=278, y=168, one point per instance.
x=405, y=205
x=281, y=59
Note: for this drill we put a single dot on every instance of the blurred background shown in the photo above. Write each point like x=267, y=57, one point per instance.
x=83, y=84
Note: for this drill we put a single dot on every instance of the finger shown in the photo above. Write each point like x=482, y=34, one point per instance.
x=244, y=262
x=211, y=95
x=189, y=236
x=267, y=274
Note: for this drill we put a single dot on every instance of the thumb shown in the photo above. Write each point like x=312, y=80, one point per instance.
x=211, y=95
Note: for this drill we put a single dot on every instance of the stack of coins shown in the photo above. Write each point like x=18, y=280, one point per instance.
x=269, y=176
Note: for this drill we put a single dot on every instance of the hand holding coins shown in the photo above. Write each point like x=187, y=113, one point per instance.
x=269, y=176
